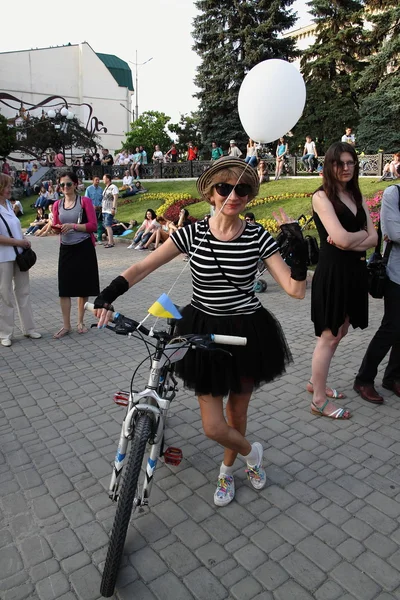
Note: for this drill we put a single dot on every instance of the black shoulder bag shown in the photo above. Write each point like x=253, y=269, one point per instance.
x=377, y=265
x=25, y=259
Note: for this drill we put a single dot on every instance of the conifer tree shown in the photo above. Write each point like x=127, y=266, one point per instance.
x=383, y=38
x=379, y=111
x=330, y=68
x=232, y=36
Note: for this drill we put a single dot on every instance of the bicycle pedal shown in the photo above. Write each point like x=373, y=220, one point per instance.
x=121, y=398
x=173, y=456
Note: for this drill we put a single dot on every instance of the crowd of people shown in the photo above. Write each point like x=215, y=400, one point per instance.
x=228, y=249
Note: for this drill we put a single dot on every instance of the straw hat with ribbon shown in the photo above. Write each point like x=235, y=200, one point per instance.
x=247, y=175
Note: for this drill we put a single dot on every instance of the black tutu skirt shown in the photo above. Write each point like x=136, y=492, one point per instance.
x=78, y=273
x=216, y=373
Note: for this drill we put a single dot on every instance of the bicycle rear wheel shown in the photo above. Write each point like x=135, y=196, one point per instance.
x=125, y=505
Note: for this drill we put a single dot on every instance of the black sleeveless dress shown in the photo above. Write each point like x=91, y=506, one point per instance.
x=340, y=282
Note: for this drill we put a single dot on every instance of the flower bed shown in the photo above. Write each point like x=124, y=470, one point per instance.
x=269, y=199
x=374, y=207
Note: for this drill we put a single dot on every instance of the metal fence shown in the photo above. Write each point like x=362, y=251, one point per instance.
x=371, y=164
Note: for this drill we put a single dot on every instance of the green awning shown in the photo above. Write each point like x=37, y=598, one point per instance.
x=119, y=69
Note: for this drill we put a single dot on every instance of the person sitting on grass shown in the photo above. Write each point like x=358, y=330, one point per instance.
x=48, y=228
x=161, y=234
x=126, y=182
x=132, y=190
x=40, y=221
x=145, y=230
x=262, y=172
x=119, y=228
x=43, y=199
x=17, y=207
x=52, y=194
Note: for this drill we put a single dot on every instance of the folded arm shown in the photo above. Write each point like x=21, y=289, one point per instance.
x=337, y=234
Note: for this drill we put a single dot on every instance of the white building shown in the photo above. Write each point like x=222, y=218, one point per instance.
x=76, y=74
x=304, y=38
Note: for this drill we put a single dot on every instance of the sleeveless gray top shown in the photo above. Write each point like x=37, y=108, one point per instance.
x=71, y=215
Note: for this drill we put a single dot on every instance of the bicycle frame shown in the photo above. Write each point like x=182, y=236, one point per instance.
x=151, y=402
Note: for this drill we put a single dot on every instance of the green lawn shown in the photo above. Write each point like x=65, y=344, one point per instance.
x=293, y=206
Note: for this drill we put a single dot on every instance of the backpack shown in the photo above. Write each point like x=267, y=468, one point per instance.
x=312, y=250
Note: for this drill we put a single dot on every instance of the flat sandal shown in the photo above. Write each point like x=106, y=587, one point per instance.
x=338, y=413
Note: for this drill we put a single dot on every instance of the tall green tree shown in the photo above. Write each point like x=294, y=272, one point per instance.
x=379, y=111
x=187, y=130
x=383, y=42
x=330, y=68
x=380, y=119
x=8, y=139
x=147, y=131
x=231, y=37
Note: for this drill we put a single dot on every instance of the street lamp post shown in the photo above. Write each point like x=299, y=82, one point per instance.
x=137, y=82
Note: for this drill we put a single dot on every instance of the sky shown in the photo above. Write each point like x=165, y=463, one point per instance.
x=157, y=29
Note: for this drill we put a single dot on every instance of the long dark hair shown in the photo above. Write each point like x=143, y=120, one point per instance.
x=153, y=214
x=330, y=184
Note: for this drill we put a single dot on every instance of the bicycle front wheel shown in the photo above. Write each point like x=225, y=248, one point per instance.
x=125, y=505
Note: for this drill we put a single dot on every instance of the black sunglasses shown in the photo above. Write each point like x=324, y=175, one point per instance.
x=241, y=189
x=68, y=184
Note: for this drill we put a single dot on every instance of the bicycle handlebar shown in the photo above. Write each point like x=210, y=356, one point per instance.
x=125, y=322
x=127, y=325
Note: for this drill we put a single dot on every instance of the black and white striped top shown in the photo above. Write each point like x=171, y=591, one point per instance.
x=213, y=290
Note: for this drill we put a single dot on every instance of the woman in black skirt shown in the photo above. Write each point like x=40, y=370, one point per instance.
x=223, y=254
x=75, y=219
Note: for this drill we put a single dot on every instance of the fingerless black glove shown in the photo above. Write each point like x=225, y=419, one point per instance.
x=296, y=249
x=117, y=287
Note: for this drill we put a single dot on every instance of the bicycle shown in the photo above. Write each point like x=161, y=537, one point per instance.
x=145, y=422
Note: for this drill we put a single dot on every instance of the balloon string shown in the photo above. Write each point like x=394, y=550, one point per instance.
x=202, y=239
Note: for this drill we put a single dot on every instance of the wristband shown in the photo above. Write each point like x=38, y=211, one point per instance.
x=116, y=288
x=74, y=226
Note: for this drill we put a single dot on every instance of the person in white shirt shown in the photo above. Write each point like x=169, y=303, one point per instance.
x=126, y=181
x=14, y=283
x=349, y=137
x=109, y=208
x=17, y=207
x=309, y=154
x=234, y=150
x=158, y=155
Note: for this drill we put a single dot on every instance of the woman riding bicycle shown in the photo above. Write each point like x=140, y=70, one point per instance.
x=223, y=255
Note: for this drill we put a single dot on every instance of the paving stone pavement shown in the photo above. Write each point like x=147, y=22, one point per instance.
x=325, y=527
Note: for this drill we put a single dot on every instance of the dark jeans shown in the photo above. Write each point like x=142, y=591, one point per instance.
x=387, y=336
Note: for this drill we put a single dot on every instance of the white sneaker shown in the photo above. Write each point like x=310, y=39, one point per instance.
x=6, y=342
x=256, y=474
x=131, y=246
x=34, y=335
x=225, y=492
x=138, y=247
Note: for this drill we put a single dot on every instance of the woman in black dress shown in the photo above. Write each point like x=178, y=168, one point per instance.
x=224, y=252
x=339, y=289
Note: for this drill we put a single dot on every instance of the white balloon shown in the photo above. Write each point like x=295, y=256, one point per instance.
x=64, y=111
x=70, y=115
x=51, y=114
x=271, y=100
